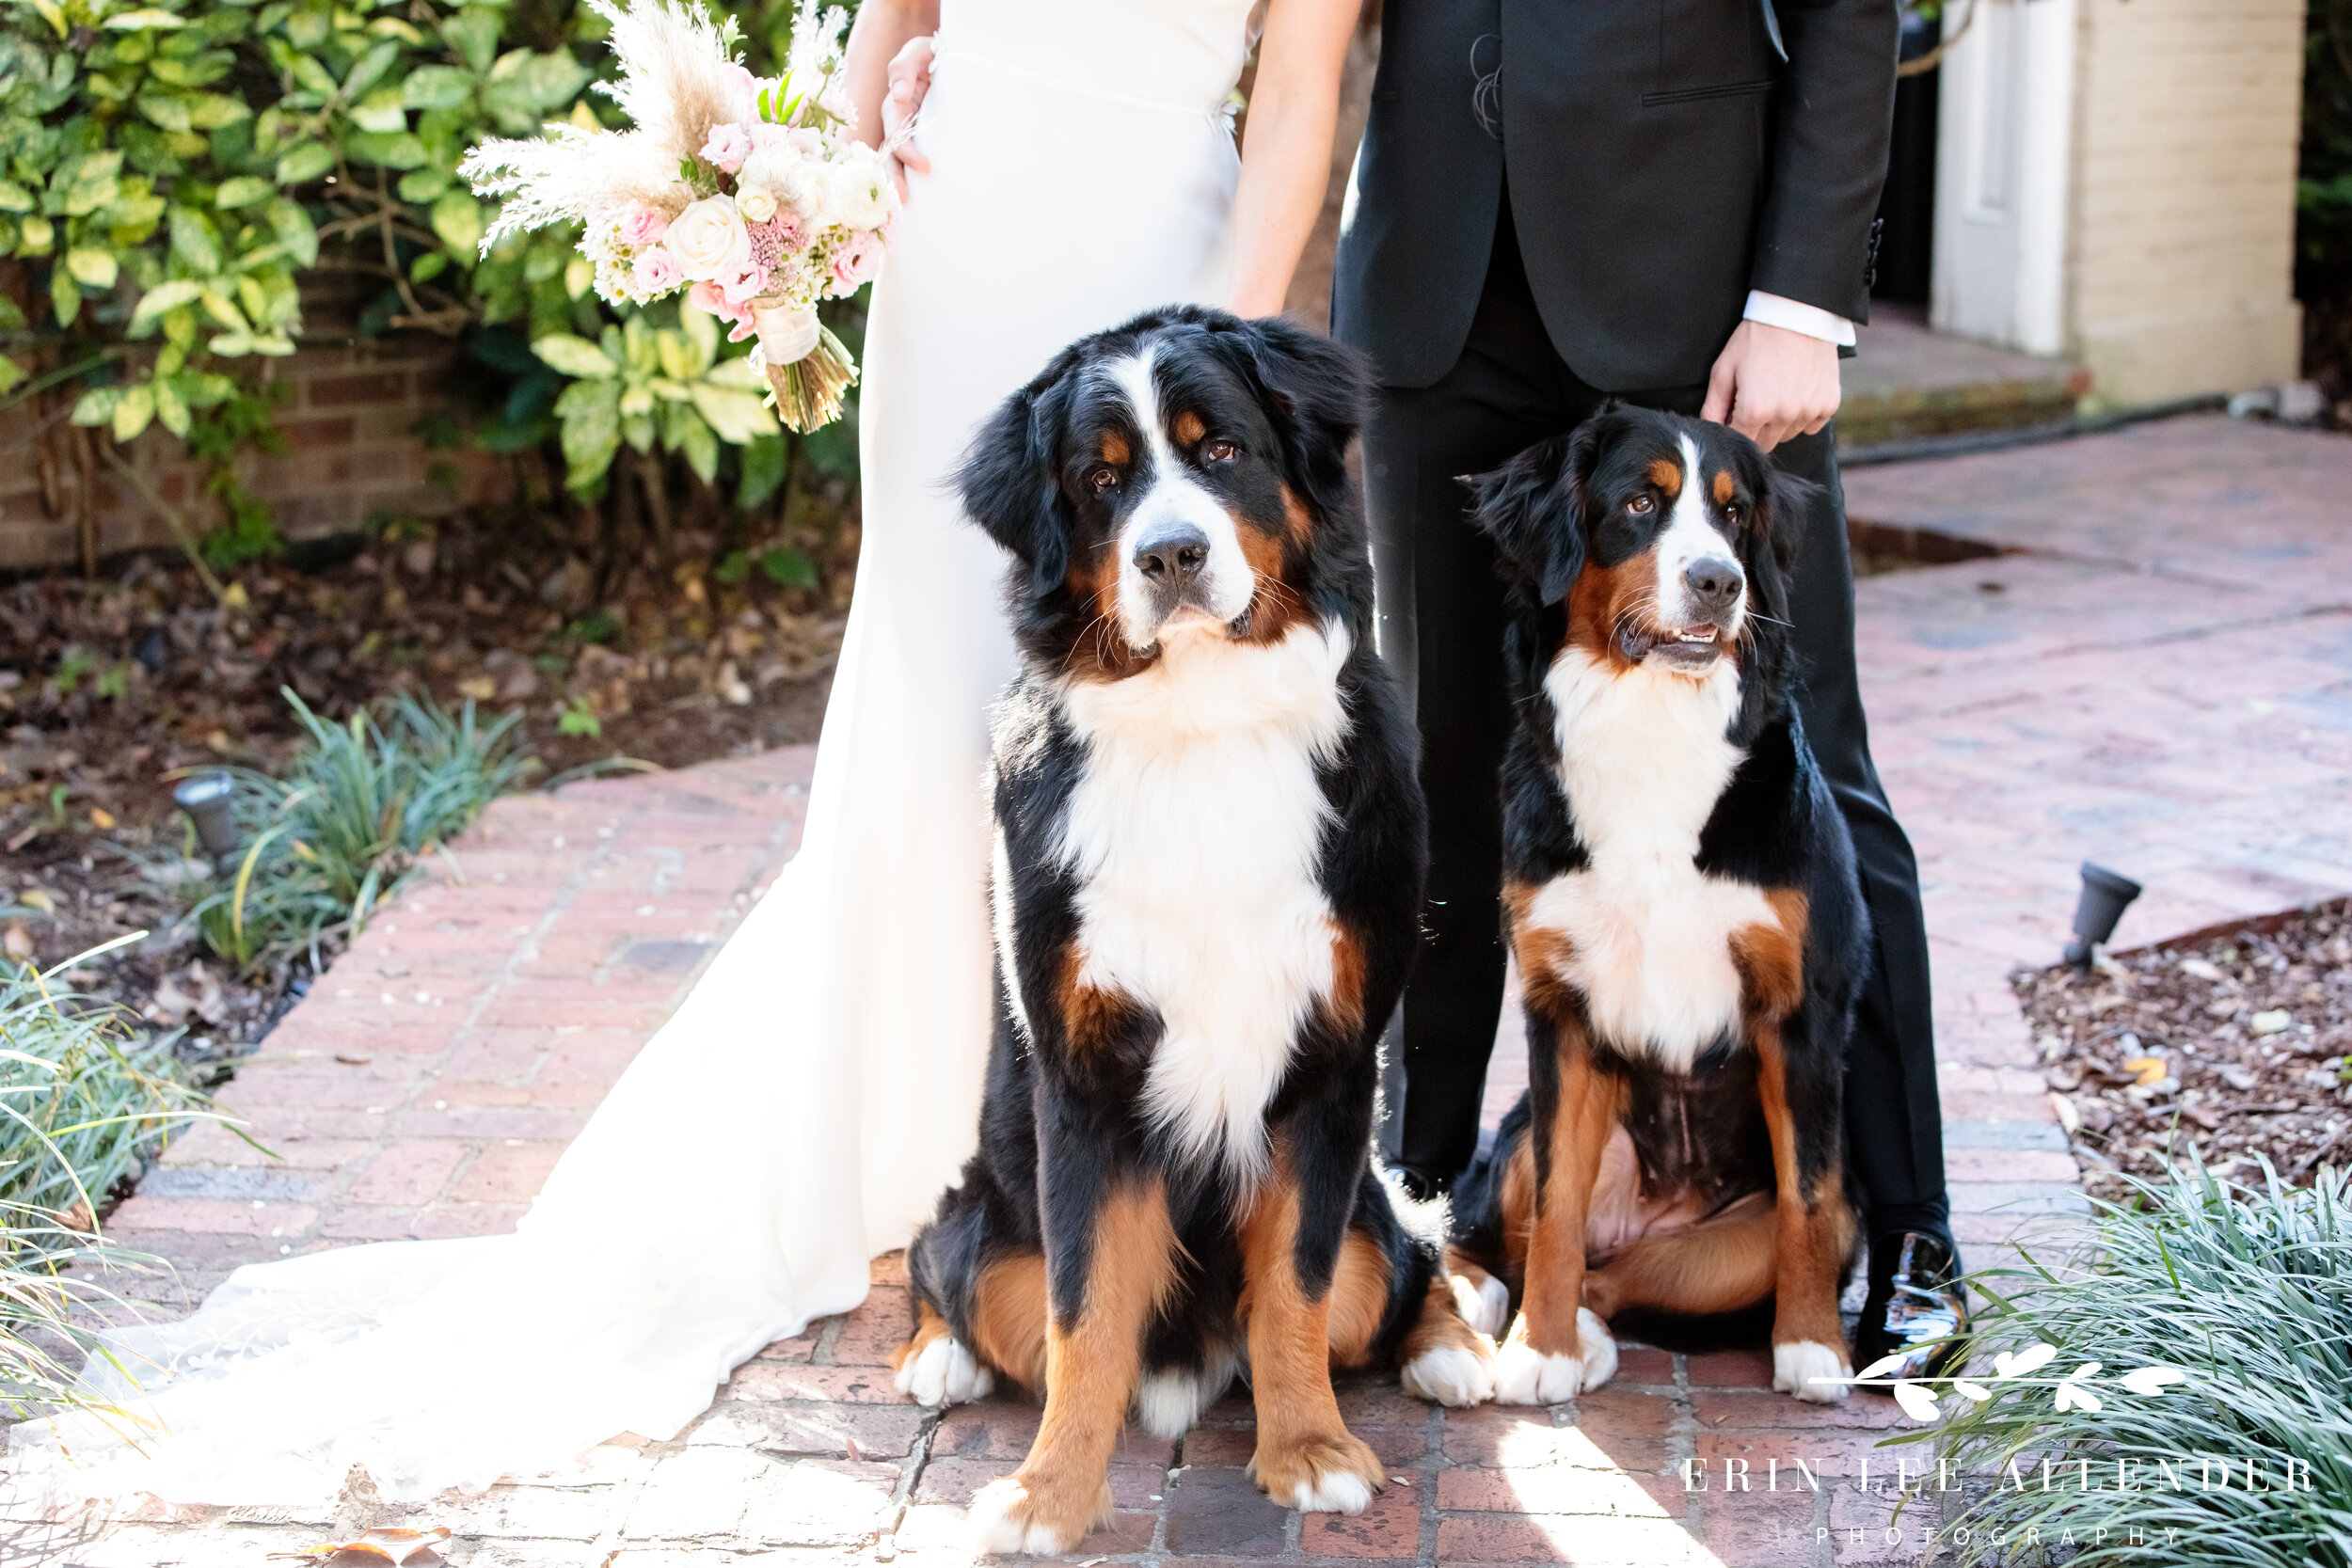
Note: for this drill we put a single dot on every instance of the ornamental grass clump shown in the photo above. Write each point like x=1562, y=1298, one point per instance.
x=84, y=1102
x=358, y=803
x=2247, y=1461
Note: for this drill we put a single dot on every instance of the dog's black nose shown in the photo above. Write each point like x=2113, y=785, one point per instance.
x=1714, y=582
x=1173, y=555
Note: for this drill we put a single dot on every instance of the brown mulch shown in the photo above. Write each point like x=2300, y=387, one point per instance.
x=109, y=688
x=2220, y=1049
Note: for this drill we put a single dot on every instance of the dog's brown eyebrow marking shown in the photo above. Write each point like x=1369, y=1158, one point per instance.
x=1115, y=450
x=1724, y=487
x=1188, y=428
x=1666, y=474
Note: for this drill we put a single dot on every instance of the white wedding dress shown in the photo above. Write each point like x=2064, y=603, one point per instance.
x=818, y=1088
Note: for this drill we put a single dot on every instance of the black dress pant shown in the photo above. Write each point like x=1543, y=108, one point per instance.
x=1441, y=628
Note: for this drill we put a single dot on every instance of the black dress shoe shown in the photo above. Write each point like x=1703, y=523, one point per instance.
x=1419, y=1183
x=1917, y=1309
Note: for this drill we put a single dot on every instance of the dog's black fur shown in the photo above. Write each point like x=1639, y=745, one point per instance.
x=1561, y=509
x=1053, y=477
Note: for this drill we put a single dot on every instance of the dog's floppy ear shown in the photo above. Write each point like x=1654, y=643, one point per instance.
x=1775, y=531
x=1314, y=390
x=1533, y=508
x=1011, y=478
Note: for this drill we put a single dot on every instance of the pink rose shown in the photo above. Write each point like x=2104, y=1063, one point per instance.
x=858, y=261
x=640, y=226
x=706, y=296
x=657, y=272
x=726, y=148
x=743, y=286
x=708, y=239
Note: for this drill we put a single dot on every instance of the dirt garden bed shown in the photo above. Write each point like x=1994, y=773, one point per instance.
x=2226, y=1047
x=109, y=688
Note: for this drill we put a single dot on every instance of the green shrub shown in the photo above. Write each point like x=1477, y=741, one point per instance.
x=84, y=1102
x=357, y=805
x=177, y=175
x=2249, y=1291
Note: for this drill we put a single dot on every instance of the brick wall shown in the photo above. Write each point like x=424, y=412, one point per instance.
x=349, y=419
x=2183, y=228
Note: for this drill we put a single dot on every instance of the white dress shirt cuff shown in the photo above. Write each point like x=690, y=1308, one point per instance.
x=1811, y=319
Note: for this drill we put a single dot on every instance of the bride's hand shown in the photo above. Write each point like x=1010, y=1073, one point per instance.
x=909, y=82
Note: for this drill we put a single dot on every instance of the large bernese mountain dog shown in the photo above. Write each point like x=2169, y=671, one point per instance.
x=1208, y=871
x=1680, y=899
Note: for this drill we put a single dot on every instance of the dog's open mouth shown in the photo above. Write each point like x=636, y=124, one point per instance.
x=1675, y=648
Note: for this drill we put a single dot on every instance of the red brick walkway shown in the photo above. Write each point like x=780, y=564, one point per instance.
x=2164, y=684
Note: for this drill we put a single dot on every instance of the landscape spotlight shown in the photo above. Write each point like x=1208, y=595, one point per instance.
x=206, y=798
x=2105, y=896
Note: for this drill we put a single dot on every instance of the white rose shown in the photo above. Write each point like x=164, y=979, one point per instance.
x=708, y=240
x=859, y=191
x=776, y=169
x=756, y=204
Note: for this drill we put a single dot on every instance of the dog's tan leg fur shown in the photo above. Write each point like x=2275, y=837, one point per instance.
x=1305, y=1458
x=1813, y=1231
x=1719, y=1265
x=1062, y=1490
x=1008, y=1318
x=1554, y=1289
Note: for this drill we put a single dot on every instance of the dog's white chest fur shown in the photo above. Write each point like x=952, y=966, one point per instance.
x=1194, y=834
x=1643, y=759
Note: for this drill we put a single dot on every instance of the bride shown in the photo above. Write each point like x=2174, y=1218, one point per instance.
x=822, y=1084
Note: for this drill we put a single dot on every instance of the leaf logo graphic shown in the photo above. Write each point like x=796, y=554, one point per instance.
x=2073, y=1395
x=2031, y=1359
x=2152, y=1380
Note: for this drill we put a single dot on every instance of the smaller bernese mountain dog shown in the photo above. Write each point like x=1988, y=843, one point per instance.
x=1679, y=896
x=1208, y=870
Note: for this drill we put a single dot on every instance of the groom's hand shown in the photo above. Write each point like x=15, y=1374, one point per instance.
x=1770, y=384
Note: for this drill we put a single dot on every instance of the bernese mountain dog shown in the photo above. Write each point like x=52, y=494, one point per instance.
x=1680, y=898
x=1208, y=869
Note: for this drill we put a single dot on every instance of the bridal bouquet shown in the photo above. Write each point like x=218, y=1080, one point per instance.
x=750, y=195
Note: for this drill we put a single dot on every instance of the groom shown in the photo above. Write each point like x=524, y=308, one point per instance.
x=1668, y=201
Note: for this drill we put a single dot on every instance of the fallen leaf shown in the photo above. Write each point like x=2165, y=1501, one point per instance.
x=480, y=687
x=362, y=1061
x=2148, y=1070
x=2272, y=1020
x=20, y=946
x=2067, y=1117
x=39, y=898
x=101, y=819
x=2197, y=968
x=404, y=1548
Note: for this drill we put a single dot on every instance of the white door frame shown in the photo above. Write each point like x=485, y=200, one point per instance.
x=2004, y=148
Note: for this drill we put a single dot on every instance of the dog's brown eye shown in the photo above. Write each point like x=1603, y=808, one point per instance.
x=1220, y=451
x=1641, y=506
x=1102, y=479
x=1732, y=513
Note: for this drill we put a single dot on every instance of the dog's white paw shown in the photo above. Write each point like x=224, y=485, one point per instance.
x=1330, y=1492
x=1797, y=1364
x=1525, y=1375
x=1485, y=1306
x=943, y=1373
x=1004, y=1523
x=1450, y=1374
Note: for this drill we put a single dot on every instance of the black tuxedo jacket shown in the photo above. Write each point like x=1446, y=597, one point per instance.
x=1662, y=159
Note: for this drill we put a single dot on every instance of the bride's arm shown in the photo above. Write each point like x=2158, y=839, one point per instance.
x=1286, y=149
x=882, y=29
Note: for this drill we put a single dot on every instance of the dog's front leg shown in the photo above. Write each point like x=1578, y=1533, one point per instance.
x=1558, y=1349
x=1813, y=1228
x=1110, y=1259
x=1307, y=1458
